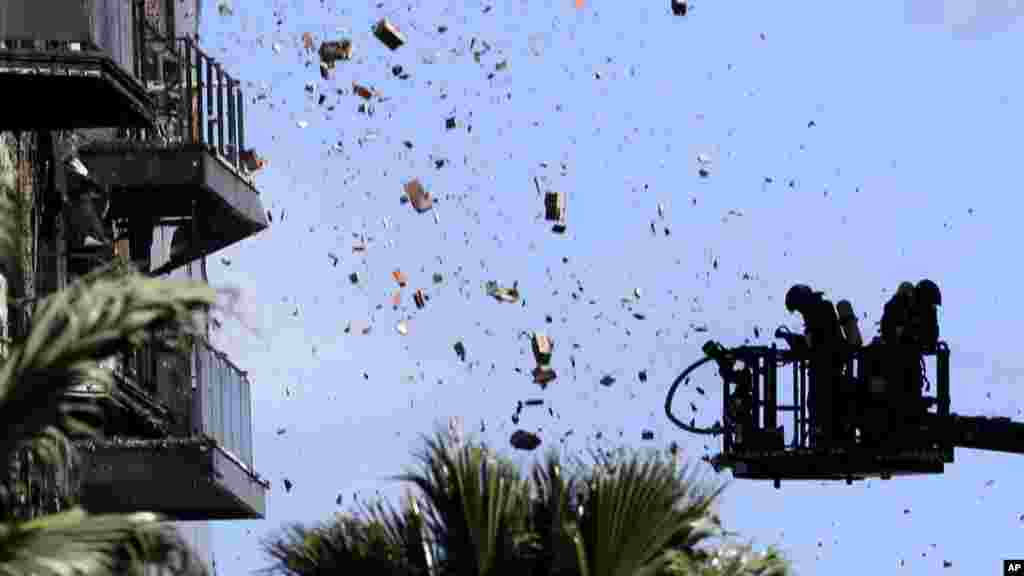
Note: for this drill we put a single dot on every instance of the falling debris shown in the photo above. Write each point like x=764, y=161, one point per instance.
x=354, y=278
x=307, y=41
x=281, y=431
x=402, y=328
x=224, y=7
x=554, y=208
x=542, y=375
x=542, y=348
x=362, y=91
x=331, y=52
x=400, y=278
x=607, y=380
x=679, y=7
x=418, y=196
x=288, y=485
x=703, y=165
x=510, y=295
x=535, y=402
x=647, y=435
x=438, y=278
x=460, y=351
x=523, y=440
x=389, y=34
x=334, y=259
x=251, y=160
x=420, y=299
x=642, y=375
x=449, y=123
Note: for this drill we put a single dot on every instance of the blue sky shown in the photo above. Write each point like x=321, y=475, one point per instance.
x=908, y=172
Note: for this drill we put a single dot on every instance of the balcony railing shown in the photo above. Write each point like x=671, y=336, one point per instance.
x=110, y=27
x=213, y=103
x=224, y=402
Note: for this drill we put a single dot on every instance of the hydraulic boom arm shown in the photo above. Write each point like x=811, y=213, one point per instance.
x=985, y=433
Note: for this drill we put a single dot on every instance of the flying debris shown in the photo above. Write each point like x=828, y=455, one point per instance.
x=523, y=440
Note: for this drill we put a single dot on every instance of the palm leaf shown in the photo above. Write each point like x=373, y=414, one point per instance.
x=345, y=545
x=72, y=330
x=75, y=543
x=553, y=518
x=476, y=505
x=635, y=511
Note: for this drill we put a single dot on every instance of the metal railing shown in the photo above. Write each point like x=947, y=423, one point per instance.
x=109, y=27
x=211, y=104
x=225, y=401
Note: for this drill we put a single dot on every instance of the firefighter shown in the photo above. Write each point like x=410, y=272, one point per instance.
x=924, y=315
x=902, y=325
x=821, y=324
x=740, y=406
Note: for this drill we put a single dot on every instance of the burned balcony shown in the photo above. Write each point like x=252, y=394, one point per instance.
x=72, y=64
x=194, y=169
x=178, y=438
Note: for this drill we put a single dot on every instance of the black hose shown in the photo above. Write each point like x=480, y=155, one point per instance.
x=714, y=430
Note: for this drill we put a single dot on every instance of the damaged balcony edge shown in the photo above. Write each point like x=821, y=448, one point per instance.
x=141, y=444
x=95, y=66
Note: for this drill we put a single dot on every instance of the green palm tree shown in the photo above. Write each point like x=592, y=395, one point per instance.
x=626, y=514
x=70, y=332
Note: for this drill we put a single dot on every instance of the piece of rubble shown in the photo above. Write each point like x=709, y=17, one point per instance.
x=642, y=375
x=438, y=278
x=288, y=485
x=389, y=34
x=362, y=91
x=542, y=348
x=523, y=440
x=607, y=380
x=418, y=196
x=460, y=350
x=400, y=278
x=535, y=402
x=224, y=7
x=554, y=210
x=331, y=52
x=647, y=435
x=679, y=7
x=402, y=328
x=542, y=375
x=449, y=123
x=500, y=294
x=353, y=277
x=251, y=160
x=420, y=299
x=307, y=41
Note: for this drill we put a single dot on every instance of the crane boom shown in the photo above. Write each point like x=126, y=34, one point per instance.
x=996, y=434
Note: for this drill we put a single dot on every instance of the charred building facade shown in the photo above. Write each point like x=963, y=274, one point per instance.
x=121, y=139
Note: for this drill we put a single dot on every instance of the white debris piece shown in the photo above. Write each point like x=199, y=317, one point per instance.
x=402, y=328
x=302, y=123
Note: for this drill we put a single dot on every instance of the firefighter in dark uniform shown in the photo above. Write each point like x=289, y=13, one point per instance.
x=740, y=407
x=909, y=326
x=826, y=343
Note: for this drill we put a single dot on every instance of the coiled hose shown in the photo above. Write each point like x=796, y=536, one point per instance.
x=712, y=431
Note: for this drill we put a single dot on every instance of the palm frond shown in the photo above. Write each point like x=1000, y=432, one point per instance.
x=345, y=545
x=74, y=329
x=74, y=543
x=553, y=518
x=476, y=505
x=635, y=511
x=406, y=530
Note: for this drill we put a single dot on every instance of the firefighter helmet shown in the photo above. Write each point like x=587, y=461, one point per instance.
x=928, y=293
x=798, y=297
